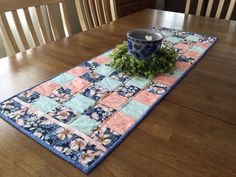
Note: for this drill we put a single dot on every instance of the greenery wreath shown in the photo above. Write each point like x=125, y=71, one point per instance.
x=162, y=62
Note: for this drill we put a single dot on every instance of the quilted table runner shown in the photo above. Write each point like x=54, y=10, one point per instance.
x=83, y=114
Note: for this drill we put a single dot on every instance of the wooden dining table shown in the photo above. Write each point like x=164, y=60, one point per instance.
x=191, y=133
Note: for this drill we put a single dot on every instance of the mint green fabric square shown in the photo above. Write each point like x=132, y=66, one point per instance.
x=107, y=54
x=138, y=82
x=198, y=49
x=166, y=33
x=135, y=109
x=80, y=103
x=109, y=83
x=44, y=104
x=84, y=124
x=174, y=39
x=177, y=73
x=104, y=70
x=192, y=38
x=63, y=78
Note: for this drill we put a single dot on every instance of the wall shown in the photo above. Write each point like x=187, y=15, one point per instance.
x=160, y=4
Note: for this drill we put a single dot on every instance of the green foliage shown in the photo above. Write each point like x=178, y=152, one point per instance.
x=163, y=62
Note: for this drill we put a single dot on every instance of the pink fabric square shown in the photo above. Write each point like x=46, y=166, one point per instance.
x=102, y=60
x=46, y=88
x=77, y=71
x=114, y=101
x=119, y=123
x=182, y=65
x=192, y=54
x=165, y=79
x=146, y=97
x=182, y=46
x=77, y=85
x=202, y=44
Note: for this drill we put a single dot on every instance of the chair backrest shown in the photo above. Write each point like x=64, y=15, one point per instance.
x=14, y=5
x=93, y=13
x=209, y=8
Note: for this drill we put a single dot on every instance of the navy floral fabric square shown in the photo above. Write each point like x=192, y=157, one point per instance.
x=100, y=112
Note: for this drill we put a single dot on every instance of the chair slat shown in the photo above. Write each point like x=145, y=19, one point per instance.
x=20, y=30
x=81, y=14
x=219, y=9
x=199, y=7
x=100, y=14
x=87, y=13
x=9, y=33
x=42, y=24
x=187, y=7
x=230, y=10
x=209, y=8
x=53, y=24
x=6, y=37
x=93, y=12
x=113, y=10
x=66, y=17
x=31, y=27
x=106, y=7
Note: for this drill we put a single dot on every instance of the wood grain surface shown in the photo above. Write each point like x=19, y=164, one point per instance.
x=191, y=133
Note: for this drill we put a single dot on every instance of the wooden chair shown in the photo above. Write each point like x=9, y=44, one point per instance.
x=14, y=5
x=93, y=13
x=209, y=8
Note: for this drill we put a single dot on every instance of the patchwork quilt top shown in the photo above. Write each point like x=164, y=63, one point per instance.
x=84, y=113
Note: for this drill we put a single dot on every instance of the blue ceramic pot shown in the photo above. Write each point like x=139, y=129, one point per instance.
x=142, y=43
